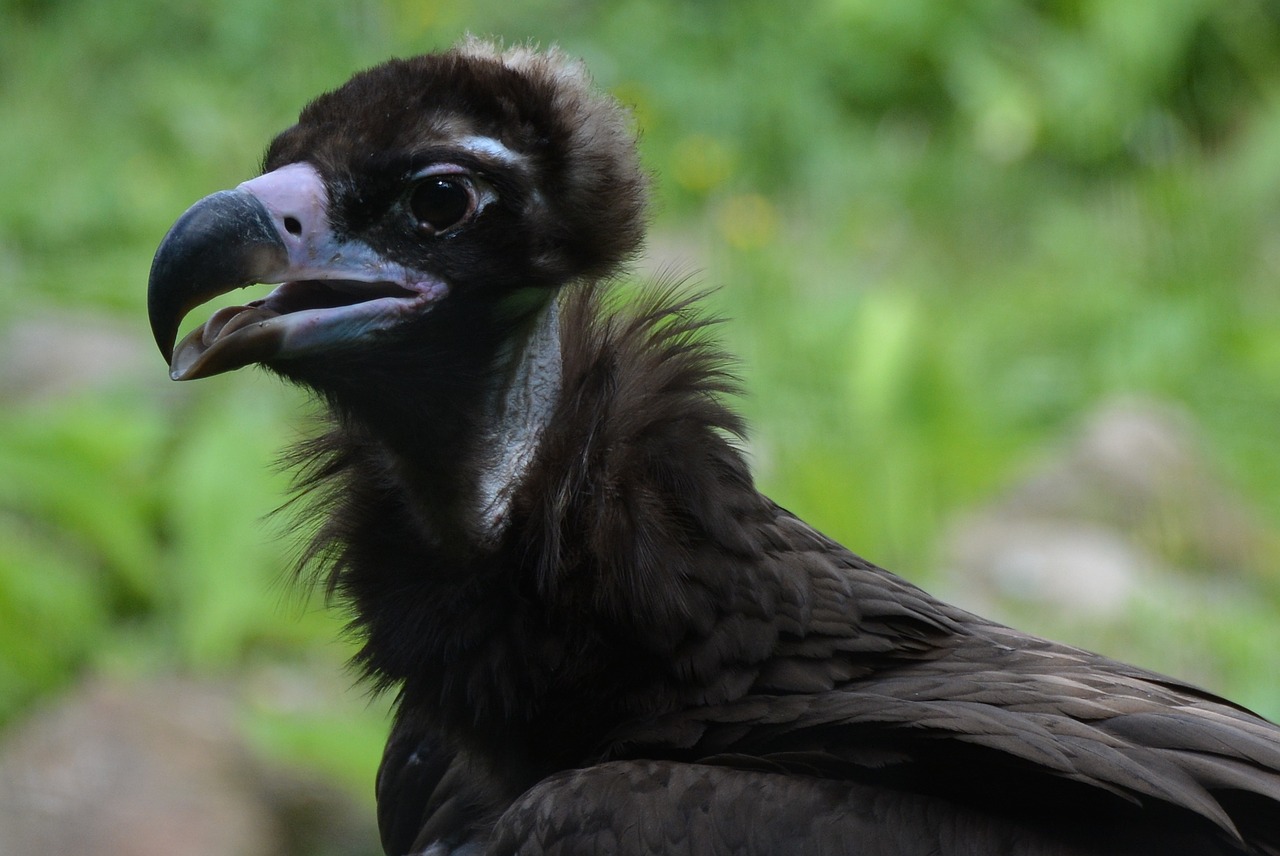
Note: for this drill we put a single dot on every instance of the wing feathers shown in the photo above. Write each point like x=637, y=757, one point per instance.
x=721, y=678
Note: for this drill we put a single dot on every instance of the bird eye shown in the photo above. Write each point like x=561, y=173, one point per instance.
x=441, y=201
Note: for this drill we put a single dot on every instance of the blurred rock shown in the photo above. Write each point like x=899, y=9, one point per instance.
x=57, y=354
x=159, y=769
x=1142, y=467
x=1080, y=566
x=1132, y=495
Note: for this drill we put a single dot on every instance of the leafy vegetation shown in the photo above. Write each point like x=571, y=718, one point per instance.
x=943, y=232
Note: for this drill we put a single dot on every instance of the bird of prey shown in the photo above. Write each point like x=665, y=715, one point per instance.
x=532, y=498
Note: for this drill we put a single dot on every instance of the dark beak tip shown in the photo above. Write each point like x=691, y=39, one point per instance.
x=163, y=316
x=225, y=241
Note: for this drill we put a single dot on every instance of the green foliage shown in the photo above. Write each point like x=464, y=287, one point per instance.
x=943, y=231
x=78, y=541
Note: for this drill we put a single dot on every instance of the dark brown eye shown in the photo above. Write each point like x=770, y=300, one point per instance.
x=441, y=202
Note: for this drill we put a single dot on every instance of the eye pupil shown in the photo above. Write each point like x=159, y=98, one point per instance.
x=440, y=202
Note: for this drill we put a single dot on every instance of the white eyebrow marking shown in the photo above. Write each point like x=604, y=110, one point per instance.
x=492, y=149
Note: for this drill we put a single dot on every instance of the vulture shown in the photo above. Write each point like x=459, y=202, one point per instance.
x=532, y=497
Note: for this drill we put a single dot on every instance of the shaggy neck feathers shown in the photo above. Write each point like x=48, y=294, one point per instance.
x=630, y=460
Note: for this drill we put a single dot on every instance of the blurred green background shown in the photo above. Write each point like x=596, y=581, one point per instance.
x=943, y=232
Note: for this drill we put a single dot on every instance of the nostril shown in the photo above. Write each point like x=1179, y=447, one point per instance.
x=293, y=225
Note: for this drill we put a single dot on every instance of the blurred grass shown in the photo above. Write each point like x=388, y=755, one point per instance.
x=943, y=233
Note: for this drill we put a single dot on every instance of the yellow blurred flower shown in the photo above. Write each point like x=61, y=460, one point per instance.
x=747, y=220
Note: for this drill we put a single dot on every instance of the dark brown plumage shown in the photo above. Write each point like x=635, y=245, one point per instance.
x=602, y=637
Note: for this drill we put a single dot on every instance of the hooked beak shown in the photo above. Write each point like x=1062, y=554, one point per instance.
x=224, y=241
x=273, y=229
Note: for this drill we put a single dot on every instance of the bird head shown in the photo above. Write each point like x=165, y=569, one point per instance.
x=444, y=196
